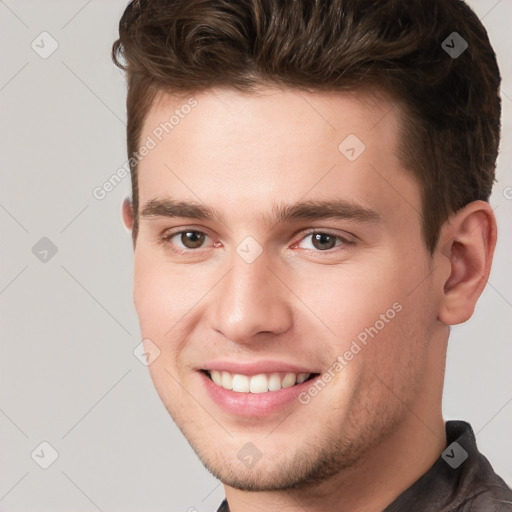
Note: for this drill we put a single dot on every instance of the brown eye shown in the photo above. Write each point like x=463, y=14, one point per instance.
x=192, y=239
x=323, y=241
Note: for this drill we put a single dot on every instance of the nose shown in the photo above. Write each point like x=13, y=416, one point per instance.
x=249, y=300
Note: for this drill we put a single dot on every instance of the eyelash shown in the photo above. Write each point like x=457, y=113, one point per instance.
x=166, y=238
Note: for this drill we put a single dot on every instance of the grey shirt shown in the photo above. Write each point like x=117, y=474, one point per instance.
x=461, y=480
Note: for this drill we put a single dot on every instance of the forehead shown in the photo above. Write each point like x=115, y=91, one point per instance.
x=270, y=112
x=259, y=149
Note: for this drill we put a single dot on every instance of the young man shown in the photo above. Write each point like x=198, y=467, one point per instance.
x=309, y=217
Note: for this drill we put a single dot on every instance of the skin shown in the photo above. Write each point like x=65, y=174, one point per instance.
x=297, y=303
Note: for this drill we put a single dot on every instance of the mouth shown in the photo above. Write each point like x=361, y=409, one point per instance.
x=259, y=383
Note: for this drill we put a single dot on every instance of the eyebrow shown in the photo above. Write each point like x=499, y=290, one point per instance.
x=307, y=210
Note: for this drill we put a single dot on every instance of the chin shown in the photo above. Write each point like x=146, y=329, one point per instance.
x=307, y=467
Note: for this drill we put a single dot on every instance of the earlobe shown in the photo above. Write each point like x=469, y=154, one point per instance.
x=127, y=213
x=468, y=239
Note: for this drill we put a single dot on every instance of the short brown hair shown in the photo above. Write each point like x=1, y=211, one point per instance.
x=451, y=130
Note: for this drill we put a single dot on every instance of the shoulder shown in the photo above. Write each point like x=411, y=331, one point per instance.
x=480, y=488
x=495, y=497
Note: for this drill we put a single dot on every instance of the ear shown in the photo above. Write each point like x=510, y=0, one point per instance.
x=467, y=241
x=127, y=213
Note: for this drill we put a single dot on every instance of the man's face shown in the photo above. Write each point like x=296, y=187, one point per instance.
x=255, y=292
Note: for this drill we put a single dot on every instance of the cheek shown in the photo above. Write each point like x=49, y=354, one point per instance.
x=398, y=333
x=168, y=298
x=161, y=291
x=157, y=297
x=378, y=305
x=347, y=298
x=155, y=293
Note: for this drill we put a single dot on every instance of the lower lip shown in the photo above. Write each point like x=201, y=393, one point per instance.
x=253, y=404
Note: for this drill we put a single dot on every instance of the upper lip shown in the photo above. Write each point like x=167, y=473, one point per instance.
x=256, y=367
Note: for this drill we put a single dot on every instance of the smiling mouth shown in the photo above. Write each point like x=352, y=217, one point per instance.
x=260, y=383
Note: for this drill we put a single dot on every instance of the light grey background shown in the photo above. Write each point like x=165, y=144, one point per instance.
x=68, y=375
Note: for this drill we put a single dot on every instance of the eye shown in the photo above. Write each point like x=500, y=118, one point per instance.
x=324, y=241
x=185, y=240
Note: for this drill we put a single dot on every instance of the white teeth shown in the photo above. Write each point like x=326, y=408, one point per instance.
x=227, y=380
x=302, y=377
x=216, y=377
x=240, y=383
x=274, y=382
x=260, y=383
x=289, y=380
